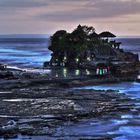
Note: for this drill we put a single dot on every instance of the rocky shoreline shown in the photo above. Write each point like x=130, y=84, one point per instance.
x=16, y=78
x=31, y=104
x=40, y=110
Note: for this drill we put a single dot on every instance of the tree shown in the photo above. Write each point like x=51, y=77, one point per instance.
x=72, y=46
x=56, y=39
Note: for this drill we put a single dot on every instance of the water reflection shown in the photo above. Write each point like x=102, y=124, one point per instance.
x=77, y=72
x=87, y=72
x=65, y=72
x=56, y=75
x=68, y=73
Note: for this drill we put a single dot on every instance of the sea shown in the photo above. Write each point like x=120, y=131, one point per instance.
x=31, y=51
x=24, y=51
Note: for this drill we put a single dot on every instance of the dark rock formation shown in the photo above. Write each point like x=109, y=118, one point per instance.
x=83, y=48
x=6, y=74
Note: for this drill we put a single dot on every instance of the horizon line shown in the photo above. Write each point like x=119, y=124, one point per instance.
x=42, y=34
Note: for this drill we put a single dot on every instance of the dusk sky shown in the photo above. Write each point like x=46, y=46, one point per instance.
x=122, y=17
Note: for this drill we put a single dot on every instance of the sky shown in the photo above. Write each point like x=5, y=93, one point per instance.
x=122, y=17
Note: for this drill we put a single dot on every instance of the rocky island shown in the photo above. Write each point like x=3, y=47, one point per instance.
x=85, y=49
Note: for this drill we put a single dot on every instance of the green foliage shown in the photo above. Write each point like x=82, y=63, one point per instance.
x=74, y=45
x=56, y=41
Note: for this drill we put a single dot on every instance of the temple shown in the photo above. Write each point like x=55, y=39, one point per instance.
x=85, y=49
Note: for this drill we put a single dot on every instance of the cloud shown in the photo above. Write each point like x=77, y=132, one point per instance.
x=67, y=10
x=34, y=3
x=48, y=15
x=92, y=9
x=21, y=3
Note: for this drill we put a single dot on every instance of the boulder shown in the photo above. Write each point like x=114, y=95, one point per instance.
x=131, y=57
x=9, y=130
x=6, y=75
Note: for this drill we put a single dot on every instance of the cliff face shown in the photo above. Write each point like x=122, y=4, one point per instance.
x=92, y=54
x=127, y=56
x=131, y=57
x=103, y=52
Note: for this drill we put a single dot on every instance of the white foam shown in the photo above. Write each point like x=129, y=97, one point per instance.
x=25, y=100
x=5, y=92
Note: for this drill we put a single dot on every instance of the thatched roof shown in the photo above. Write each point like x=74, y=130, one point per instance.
x=107, y=34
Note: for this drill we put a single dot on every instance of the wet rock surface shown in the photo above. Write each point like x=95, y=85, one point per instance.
x=42, y=109
x=6, y=74
x=45, y=106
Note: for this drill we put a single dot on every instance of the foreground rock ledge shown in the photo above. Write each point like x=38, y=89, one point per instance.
x=38, y=110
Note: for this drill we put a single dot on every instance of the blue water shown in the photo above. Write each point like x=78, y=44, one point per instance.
x=126, y=125
x=24, y=52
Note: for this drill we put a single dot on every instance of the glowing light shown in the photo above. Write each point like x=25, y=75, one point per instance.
x=56, y=75
x=104, y=71
x=101, y=72
x=65, y=58
x=97, y=71
x=77, y=60
x=88, y=58
x=87, y=72
x=77, y=72
x=65, y=72
x=138, y=76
